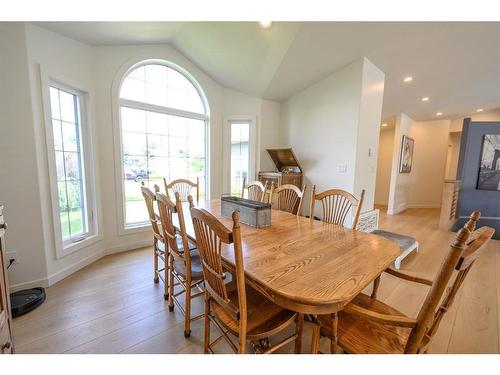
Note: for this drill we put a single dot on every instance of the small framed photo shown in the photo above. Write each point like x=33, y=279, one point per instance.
x=406, y=158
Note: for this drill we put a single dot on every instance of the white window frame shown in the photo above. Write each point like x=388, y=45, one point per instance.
x=252, y=147
x=93, y=234
x=123, y=228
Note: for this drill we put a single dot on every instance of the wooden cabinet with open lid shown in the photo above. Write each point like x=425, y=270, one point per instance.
x=288, y=169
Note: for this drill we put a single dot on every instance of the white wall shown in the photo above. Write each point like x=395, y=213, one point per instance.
x=19, y=188
x=454, y=152
x=325, y=123
x=384, y=164
x=96, y=70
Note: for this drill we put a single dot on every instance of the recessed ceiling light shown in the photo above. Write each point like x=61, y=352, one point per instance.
x=266, y=24
x=439, y=113
x=479, y=110
x=425, y=99
x=408, y=79
x=384, y=124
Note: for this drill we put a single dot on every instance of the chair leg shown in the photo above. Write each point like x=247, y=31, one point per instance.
x=206, y=342
x=315, y=337
x=187, y=318
x=171, y=285
x=376, y=284
x=298, y=332
x=334, y=341
x=166, y=275
x=155, y=264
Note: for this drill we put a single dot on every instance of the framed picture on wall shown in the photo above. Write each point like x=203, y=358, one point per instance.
x=489, y=167
x=406, y=157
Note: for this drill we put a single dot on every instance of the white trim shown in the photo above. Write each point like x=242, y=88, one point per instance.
x=129, y=247
x=482, y=217
x=71, y=269
x=423, y=206
x=89, y=170
x=116, y=102
x=226, y=148
x=44, y=283
x=160, y=109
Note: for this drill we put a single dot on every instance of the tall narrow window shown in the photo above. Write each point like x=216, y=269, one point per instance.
x=67, y=148
x=240, y=154
x=163, y=134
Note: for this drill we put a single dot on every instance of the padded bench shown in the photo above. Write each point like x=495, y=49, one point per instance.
x=406, y=244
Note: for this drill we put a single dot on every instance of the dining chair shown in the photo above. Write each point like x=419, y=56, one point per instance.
x=237, y=308
x=158, y=240
x=183, y=187
x=288, y=198
x=184, y=265
x=368, y=325
x=336, y=204
x=256, y=191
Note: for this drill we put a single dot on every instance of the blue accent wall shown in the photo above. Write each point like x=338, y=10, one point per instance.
x=486, y=201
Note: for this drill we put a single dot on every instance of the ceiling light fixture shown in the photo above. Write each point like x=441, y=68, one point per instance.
x=384, y=124
x=266, y=24
x=425, y=99
x=479, y=110
x=439, y=113
x=408, y=79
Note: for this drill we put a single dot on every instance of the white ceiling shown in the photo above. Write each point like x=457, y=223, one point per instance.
x=457, y=65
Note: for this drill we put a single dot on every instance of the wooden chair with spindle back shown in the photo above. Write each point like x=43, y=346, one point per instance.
x=336, y=204
x=256, y=191
x=183, y=187
x=159, y=247
x=368, y=325
x=236, y=308
x=184, y=262
x=288, y=198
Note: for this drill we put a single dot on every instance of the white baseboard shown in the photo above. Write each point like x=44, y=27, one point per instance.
x=28, y=285
x=424, y=206
x=402, y=207
x=128, y=247
x=65, y=272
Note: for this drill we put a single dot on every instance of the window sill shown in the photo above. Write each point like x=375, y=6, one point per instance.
x=134, y=228
x=73, y=247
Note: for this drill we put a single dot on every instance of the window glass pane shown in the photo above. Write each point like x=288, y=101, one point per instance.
x=57, y=134
x=157, y=145
x=69, y=163
x=157, y=123
x=133, y=120
x=72, y=167
x=70, y=140
x=133, y=89
x=67, y=105
x=240, y=135
x=61, y=176
x=134, y=143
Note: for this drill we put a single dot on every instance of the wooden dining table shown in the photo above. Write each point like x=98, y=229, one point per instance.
x=304, y=265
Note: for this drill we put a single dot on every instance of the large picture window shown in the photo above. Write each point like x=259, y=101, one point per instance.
x=163, y=134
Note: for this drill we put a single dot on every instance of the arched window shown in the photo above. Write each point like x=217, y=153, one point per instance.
x=163, y=119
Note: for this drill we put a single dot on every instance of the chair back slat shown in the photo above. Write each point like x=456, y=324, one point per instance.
x=463, y=252
x=211, y=236
x=288, y=198
x=183, y=187
x=149, y=199
x=256, y=191
x=336, y=205
x=167, y=209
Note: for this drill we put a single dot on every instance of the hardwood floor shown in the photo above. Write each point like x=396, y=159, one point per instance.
x=112, y=306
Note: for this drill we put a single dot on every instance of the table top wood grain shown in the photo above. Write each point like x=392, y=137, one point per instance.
x=303, y=265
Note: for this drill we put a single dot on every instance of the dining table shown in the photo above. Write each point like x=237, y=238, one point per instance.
x=304, y=265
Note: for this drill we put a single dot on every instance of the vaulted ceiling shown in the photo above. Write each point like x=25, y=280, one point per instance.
x=456, y=65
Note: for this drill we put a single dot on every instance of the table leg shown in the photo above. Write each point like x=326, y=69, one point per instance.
x=316, y=335
x=334, y=341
